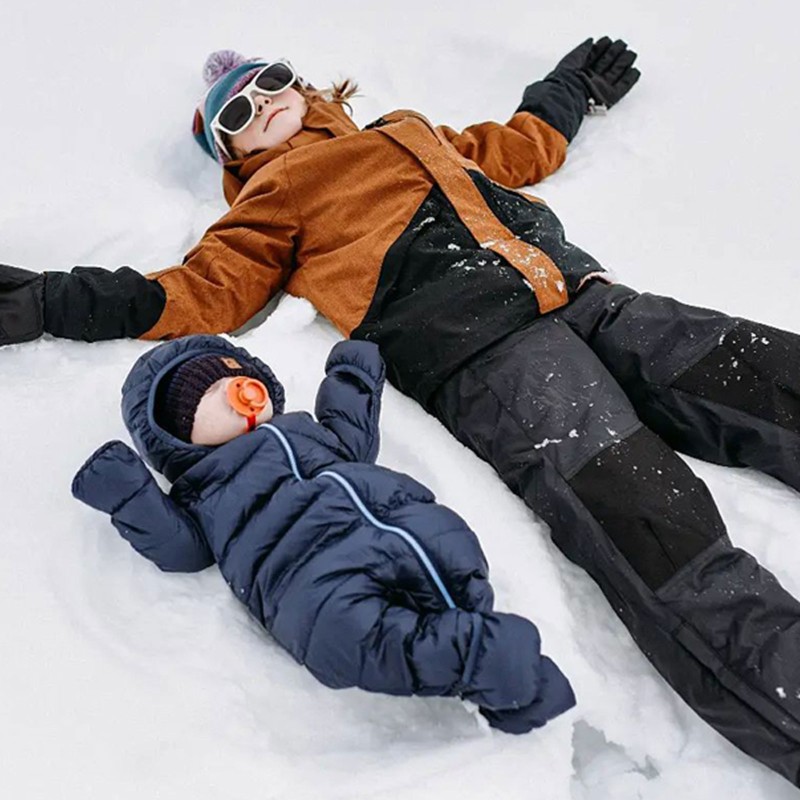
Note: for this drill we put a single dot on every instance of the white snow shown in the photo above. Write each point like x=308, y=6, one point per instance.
x=117, y=681
x=545, y=442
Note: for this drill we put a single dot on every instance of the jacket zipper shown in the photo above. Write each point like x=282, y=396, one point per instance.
x=407, y=537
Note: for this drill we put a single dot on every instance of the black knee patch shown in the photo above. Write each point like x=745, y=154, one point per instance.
x=650, y=504
x=755, y=369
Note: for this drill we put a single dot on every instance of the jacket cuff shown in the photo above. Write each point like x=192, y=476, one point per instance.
x=561, y=100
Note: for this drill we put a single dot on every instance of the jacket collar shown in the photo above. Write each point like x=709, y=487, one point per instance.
x=323, y=120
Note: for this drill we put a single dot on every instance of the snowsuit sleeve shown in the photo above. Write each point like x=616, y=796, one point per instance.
x=522, y=152
x=241, y=262
x=491, y=659
x=115, y=480
x=349, y=398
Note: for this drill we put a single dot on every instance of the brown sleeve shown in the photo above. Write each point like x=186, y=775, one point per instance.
x=522, y=152
x=239, y=264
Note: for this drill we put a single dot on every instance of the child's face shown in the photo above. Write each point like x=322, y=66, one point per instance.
x=216, y=422
x=278, y=118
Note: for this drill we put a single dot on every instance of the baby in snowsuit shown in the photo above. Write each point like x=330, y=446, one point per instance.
x=353, y=568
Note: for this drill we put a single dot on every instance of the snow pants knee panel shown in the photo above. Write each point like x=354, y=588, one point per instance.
x=753, y=368
x=716, y=387
x=657, y=513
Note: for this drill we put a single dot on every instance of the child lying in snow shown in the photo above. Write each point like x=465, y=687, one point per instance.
x=353, y=568
x=576, y=390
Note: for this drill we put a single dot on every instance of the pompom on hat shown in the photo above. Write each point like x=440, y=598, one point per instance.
x=225, y=73
x=221, y=63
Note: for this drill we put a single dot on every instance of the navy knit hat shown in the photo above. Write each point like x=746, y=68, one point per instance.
x=182, y=389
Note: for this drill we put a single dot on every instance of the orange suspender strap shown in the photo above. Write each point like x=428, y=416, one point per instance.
x=542, y=274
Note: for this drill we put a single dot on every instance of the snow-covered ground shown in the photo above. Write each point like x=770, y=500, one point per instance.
x=117, y=681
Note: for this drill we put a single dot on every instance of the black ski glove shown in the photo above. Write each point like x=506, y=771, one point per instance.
x=607, y=70
x=593, y=74
x=21, y=305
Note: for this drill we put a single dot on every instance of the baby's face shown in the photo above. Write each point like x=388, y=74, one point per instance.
x=278, y=118
x=216, y=421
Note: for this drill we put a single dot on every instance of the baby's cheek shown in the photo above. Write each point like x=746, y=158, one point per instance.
x=215, y=422
x=213, y=431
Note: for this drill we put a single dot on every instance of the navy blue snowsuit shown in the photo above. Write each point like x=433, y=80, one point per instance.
x=353, y=568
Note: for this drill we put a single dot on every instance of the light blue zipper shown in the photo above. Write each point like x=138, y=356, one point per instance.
x=359, y=503
x=287, y=447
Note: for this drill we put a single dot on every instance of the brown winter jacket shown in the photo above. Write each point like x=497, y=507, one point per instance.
x=317, y=215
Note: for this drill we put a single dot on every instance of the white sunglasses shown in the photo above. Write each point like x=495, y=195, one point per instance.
x=238, y=111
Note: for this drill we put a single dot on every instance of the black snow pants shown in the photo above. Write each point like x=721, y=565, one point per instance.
x=579, y=413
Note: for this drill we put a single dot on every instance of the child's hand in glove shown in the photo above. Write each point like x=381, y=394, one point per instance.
x=21, y=305
x=605, y=68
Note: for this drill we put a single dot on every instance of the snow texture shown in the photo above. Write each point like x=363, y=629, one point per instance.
x=117, y=681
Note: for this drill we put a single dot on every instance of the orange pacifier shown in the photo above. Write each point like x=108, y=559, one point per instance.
x=248, y=397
